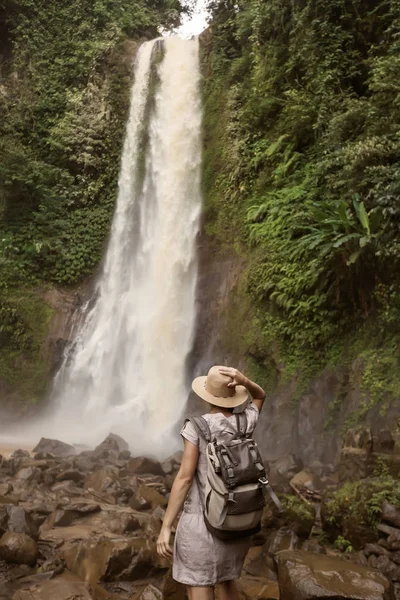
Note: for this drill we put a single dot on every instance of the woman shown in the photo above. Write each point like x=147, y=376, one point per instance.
x=200, y=560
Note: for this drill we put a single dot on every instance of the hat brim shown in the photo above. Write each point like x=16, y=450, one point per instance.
x=240, y=396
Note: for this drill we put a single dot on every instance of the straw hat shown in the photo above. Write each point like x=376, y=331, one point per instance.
x=214, y=389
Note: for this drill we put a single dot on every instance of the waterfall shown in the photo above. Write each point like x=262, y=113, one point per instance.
x=127, y=370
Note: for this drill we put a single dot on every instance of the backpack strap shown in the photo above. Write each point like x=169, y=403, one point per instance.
x=201, y=426
x=241, y=424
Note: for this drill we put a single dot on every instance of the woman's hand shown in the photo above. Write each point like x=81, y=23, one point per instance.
x=163, y=546
x=237, y=377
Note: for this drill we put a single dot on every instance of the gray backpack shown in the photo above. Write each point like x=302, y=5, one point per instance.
x=236, y=479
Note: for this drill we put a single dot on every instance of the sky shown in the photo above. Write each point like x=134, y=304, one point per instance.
x=196, y=24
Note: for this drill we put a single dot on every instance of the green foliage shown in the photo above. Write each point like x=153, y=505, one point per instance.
x=65, y=99
x=342, y=544
x=357, y=506
x=24, y=368
x=302, y=171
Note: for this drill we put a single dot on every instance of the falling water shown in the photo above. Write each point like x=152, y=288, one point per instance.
x=127, y=371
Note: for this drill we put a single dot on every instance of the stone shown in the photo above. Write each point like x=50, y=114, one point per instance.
x=395, y=557
x=70, y=475
x=358, y=557
x=283, y=539
x=260, y=588
x=258, y=565
x=386, y=566
x=308, y=480
x=306, y=576
x=391, y=514
x=150, y=592
x=144, y=466
x=312, y=545
x=18, y=521
x=18, y=548
x=54, y=447
x=54, y=589
x=112, y=560
x=360, y=438
x=285, y=467
x=113, y=442
x=28, y=474
x=147, y=498
x=20, y=454
x=384, y=442
x=101, y=480
x=376, y=549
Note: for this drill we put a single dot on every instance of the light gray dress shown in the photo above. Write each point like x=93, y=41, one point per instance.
x=200, y=559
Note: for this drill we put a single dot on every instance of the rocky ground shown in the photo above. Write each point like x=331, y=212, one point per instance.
x=82, y=525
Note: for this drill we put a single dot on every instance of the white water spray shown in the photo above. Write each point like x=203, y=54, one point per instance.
x=127, y=373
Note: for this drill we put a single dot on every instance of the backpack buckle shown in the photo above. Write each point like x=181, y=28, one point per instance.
x=263, y=480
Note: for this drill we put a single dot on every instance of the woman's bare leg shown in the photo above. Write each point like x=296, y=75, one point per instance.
x=227, y=591
x=200, y=593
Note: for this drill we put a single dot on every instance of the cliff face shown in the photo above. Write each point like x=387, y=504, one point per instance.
x=295, y=213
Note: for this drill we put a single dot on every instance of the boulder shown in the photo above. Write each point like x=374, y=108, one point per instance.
x=28, y=474
x=284, y=468
x=18, y=521
x=283, y=539
x=112, y=560
x=308, y=480
x=150, y=592
x=70, y=475
x=59, y=588
x=257, y=587
x=102, y=479
x=383, y=441
x=391, y=514
x=360, y=438
x=113, y=442
x=144, y=466
x=18, y=548
x=376, y=549
x=307, y=576
x=54, y=447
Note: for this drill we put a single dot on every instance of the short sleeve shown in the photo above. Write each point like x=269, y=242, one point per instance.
x=252, y=414
x=189, y=433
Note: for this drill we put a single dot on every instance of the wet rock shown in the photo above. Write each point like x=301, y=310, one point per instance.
x=302, y=575
x=395, y=557
x=256, y=587
x=28, y=474
x=113, y=560
x=150, y=592
x=70, y=475
x=391, y=514
x=19, y=522
x=18, y=548
x=360, y=438
x=54, y=447
x=113, y=442
x=144, y=466
x=285, y=468
x=387, y=567
x=376, y=549
x=283, y=539
x=102, y=480
x=312, y=545
x=308, y=480
x=358, y=557
x=384, y=442
x=55, y=589
x=258, y=565
x=20, y=454
x=124, y=455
